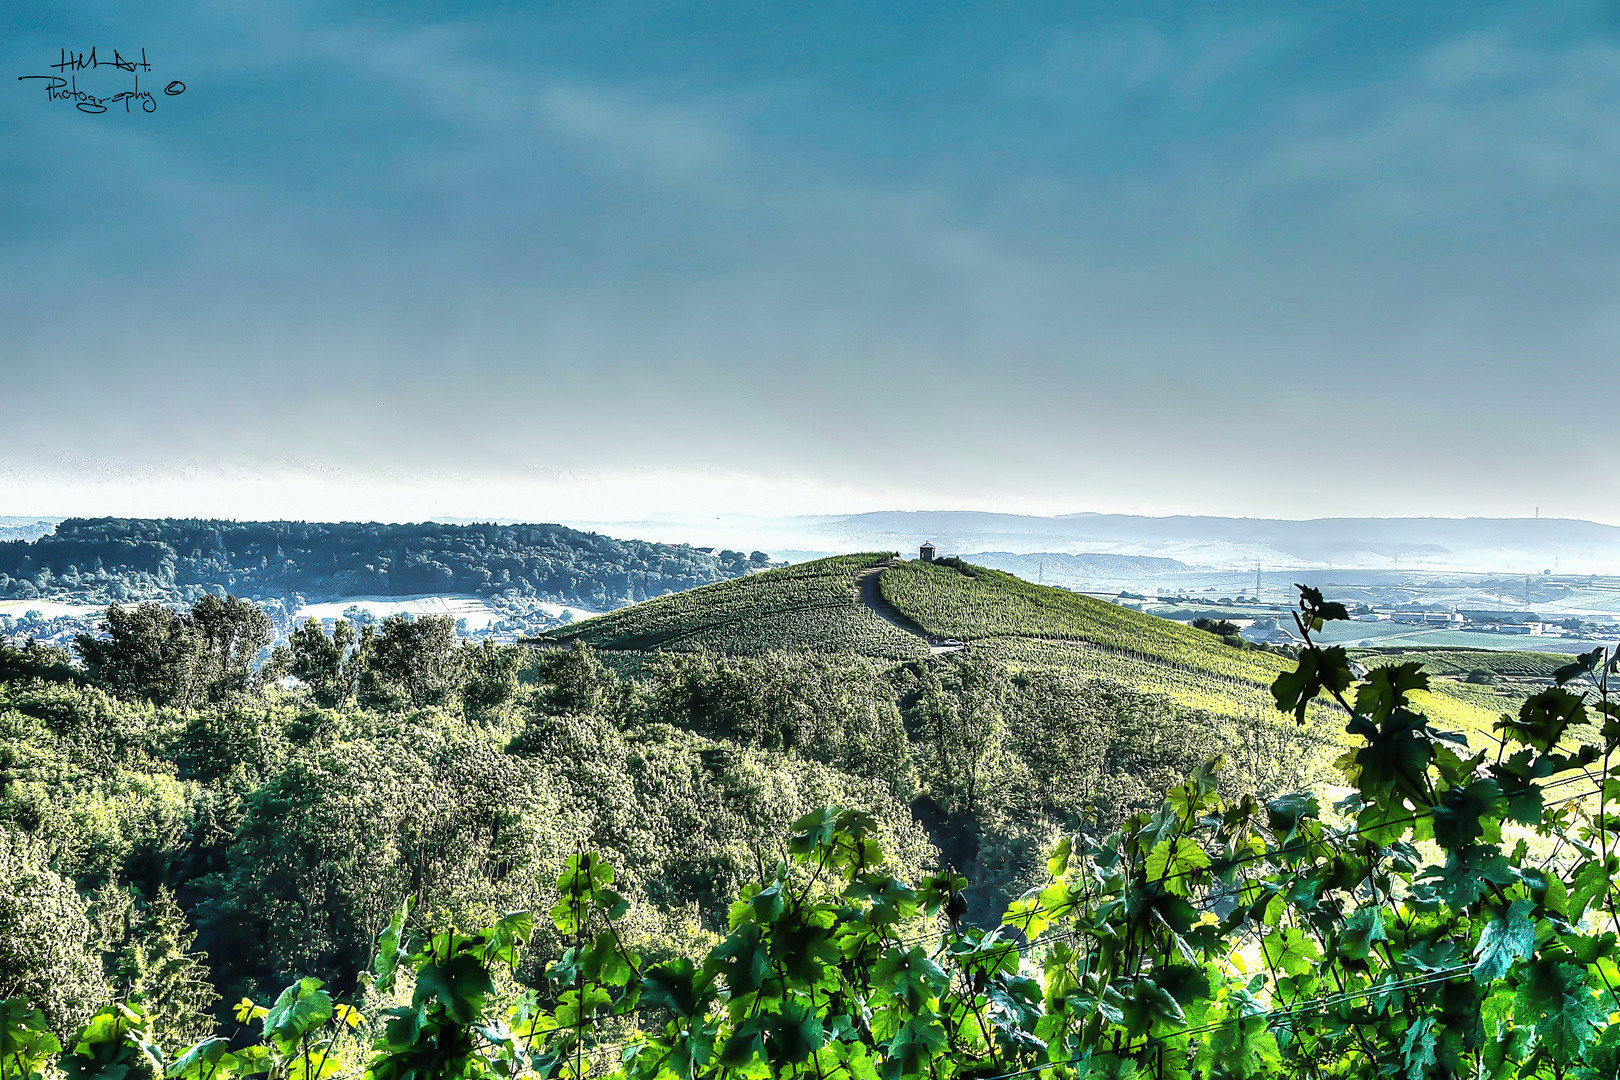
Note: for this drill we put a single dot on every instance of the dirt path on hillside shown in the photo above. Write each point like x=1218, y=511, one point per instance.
x=866, y=590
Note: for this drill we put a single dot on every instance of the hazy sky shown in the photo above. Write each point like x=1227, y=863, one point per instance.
x=548, y=261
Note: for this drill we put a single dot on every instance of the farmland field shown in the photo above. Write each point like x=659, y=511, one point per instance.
x=1388, y=635
x=1469, y=709
x=1533, y=665
x=807, y=606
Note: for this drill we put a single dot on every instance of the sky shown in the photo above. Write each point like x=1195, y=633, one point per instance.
x=608, y=260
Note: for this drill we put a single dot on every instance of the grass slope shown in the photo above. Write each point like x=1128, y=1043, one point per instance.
x=808, y=606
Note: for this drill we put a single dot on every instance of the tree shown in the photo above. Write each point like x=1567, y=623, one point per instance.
x=959, y=719
x=169, y=658
x=319, y=662
x=835, y=709
x=150, y=652
x=45, y=952
x=34, y=660
x=232, y=632
x=576, y=682
x=417, y=656
x=489, y=677
x=148, y=955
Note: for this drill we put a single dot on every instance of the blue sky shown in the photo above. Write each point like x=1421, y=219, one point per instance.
x=608, y=260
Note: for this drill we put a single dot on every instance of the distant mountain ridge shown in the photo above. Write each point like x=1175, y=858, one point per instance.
x=1460, y=543
x=25, y=528
x=1479, y=544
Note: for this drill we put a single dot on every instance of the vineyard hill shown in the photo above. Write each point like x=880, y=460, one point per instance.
x=878, y=606
x=821, y=605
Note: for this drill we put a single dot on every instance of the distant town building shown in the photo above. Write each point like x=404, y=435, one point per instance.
x=926, y=553
x=1428, y=618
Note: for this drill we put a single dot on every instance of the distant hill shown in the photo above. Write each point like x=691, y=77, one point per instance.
x=1378, y=543
x=107, y=559
x=25, y=528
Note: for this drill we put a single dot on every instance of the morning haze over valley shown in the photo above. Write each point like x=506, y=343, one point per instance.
x=837, y=542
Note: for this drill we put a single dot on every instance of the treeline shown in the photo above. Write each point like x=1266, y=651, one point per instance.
x=210, y=654
x=181, y=829
x=122, y=559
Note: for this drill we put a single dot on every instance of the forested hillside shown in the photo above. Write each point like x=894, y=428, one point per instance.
x=424, y=860
x=157, y=786
x=122, y=559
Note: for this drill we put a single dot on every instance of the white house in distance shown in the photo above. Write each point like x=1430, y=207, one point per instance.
x=926, y=553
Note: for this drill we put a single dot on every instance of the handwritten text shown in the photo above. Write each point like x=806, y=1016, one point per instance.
x=64, y=84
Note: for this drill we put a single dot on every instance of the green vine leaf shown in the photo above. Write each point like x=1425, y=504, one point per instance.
x=1291, y=950
x=460, y=984
x=1508, y=937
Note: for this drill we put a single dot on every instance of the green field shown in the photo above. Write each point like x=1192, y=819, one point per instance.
x=1382, y=635
x=809, y=606
x=1526, y=665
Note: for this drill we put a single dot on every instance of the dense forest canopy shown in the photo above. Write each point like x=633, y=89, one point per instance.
x=121, y=559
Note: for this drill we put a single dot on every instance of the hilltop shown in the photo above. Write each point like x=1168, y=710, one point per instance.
x=820, y=606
